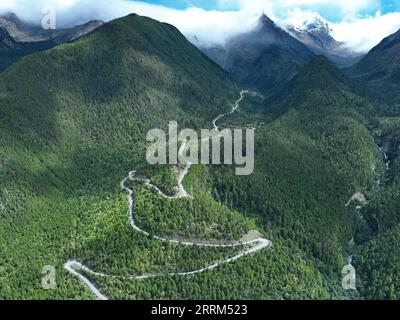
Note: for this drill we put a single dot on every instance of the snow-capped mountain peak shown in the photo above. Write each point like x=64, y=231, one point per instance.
x=318, y=24
x=317, y=27
x=317, y=34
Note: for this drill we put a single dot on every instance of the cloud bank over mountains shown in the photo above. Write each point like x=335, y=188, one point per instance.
x=359, y=23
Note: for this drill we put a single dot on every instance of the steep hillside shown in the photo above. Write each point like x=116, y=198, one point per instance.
x=312, y=156
x=73, y=123
x=378, y=266
x=378, y=73
x=11, y=50
x=378, y=259
x=321, y=84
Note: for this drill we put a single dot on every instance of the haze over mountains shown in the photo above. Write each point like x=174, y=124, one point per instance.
x=268, y=56
x=73, y=124
x=18, y=38
x=264, y=58
x=21, y=31
x=268, y=43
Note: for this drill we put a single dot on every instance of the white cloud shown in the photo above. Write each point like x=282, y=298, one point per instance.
x=212, y=27
x=298, y=17
x=358, y=34
x=344, y=8
x=363, y=34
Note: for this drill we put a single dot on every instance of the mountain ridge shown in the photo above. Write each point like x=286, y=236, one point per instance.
x=264, y=58
x=377, y=74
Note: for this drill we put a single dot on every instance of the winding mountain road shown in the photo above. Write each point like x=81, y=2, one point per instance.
x=235, y=107
x=253, y=245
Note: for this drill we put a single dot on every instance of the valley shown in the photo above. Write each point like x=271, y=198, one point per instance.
x=73, y=122
x=254, y=239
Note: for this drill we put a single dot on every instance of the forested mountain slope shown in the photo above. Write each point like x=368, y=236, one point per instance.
x=313, y=155
x=73, y=123
x=378, y=259
x=11, y=51
x=378, y=73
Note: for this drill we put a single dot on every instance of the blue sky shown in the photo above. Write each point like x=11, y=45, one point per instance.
x=390, y=6
x=204, y=4
x=184, y=4
x=327, y=10
x=361, y=24
x=385, y=5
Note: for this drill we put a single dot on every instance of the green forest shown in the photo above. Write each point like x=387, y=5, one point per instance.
x=73, y=124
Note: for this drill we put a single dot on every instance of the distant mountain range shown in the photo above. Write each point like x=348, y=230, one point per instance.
x=267, y=57
x=18, y=38
x=22, y=31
